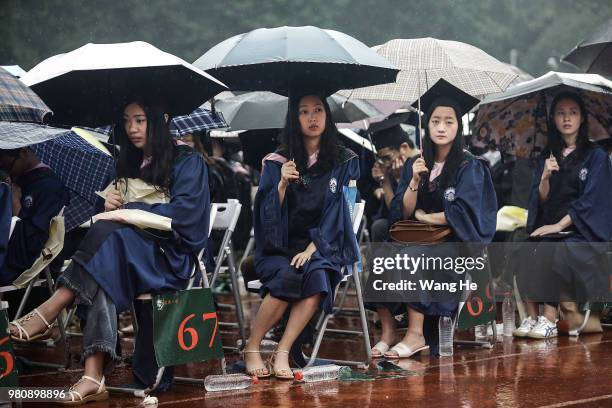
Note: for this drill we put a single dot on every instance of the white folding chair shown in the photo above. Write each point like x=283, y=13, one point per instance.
x=226, y=220
x=32, y=278
x=321, y=327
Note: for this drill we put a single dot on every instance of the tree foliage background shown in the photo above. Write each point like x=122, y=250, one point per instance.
x=32, y=30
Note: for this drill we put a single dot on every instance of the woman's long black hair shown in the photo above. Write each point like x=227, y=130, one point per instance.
x=455, y=156
x=328, y=148
x=556, y=144
x=159, y=144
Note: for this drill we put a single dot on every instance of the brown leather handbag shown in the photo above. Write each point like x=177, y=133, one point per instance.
x=416, y=232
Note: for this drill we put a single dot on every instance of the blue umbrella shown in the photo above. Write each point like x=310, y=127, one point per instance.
x=199, y=119
x=83, y=169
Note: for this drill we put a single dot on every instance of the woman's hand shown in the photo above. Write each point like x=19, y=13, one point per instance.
x=420, y=215
x=418, y=167
x=289, y=173
x=546, y=230
x=549, y=166
x=300, y=259
x=113, y=200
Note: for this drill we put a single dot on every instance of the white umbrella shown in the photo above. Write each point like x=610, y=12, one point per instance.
x=86, y=86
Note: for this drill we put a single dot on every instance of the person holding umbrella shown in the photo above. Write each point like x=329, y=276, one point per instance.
x=569, y=212
x=446, y=185
x=113, y=263
x=302, y=228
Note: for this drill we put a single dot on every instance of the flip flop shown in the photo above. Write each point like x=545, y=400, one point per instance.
x=379, y=349
x=403, y=351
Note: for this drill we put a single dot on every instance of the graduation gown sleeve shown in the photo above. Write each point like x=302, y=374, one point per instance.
x=334, y=236
x=6, y=211
x=270, y=218
x=470, y=206
x=591, y=212
x=397, y=204
x=189, y=206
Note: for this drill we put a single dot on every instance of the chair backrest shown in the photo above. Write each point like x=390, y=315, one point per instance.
x=226, y=215
x=358, y=215
x=213, y=217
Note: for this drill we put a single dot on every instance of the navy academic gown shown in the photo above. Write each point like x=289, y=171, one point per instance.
x=126, y=262
x=332, y=233
x=6, y=213
x=583, y=189
x=42, y=197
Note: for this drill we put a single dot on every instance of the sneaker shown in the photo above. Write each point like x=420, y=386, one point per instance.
x=525, y=327
x=543, y=329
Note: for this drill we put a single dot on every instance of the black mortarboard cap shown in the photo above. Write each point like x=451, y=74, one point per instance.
x=393, y=137
x=443, y=93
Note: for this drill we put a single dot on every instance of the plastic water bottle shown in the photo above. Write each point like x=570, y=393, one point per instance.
x=265, y=347
x=225, y=382
x=508, y=314
x=321, y=373
x=481, y=332
x=445, y=336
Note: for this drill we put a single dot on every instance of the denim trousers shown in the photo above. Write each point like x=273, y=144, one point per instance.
x=96, y=309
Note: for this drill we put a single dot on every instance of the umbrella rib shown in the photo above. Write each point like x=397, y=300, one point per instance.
x=597, y=57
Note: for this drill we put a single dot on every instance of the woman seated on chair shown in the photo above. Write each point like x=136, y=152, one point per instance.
x=570, y=219
x=302, y=227
x=445, y=186
x=116, y=261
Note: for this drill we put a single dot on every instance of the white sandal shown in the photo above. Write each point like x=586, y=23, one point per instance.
x=403, y=351
x=23, y=332
x=381, y=347
x=77, y=399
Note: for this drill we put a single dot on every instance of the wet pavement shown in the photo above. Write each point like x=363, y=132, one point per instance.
x=561, y=372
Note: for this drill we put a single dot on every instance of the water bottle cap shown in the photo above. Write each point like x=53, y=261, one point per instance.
x=299, y=376
x=255, y=379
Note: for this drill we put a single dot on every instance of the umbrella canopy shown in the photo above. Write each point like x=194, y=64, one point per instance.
x=283, y=58
x=423, y=61
x=87, y=86
x=516, y=120
x=83, y=165
x=14, y=70
x=267, y=110
x=198, y=120
x=594, y=53
x=18, y=103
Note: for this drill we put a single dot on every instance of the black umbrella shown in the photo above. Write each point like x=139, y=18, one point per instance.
x=87, y=85
x=286, y=58
x=594, y=53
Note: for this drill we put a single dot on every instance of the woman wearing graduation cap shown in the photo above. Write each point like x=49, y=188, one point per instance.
x=570, y=220
x=445, y=186
x=302, y=228
x=116, y=262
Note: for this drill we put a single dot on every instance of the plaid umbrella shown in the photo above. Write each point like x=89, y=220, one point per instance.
x=423, y=61
x=82, y=167
x=516, y=120
x=200, y=119
x=18, y=103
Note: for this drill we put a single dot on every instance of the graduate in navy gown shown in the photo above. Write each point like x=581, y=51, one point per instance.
x=116, y=261
x=302, y=227
x=6, y=211
x=38, y=195
x=570, y=220
x=445, y=186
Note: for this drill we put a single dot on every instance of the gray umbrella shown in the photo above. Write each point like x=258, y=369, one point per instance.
x=594, y=53
x=267, y=110
x=284, y=58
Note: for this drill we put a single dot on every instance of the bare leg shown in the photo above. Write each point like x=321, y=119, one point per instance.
x=532, y=310
x=94, y=366
x=301, y=313
x=61, y=298
x=414, y=336
x=550, y=312
x=270, y=312
x=388, y=326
